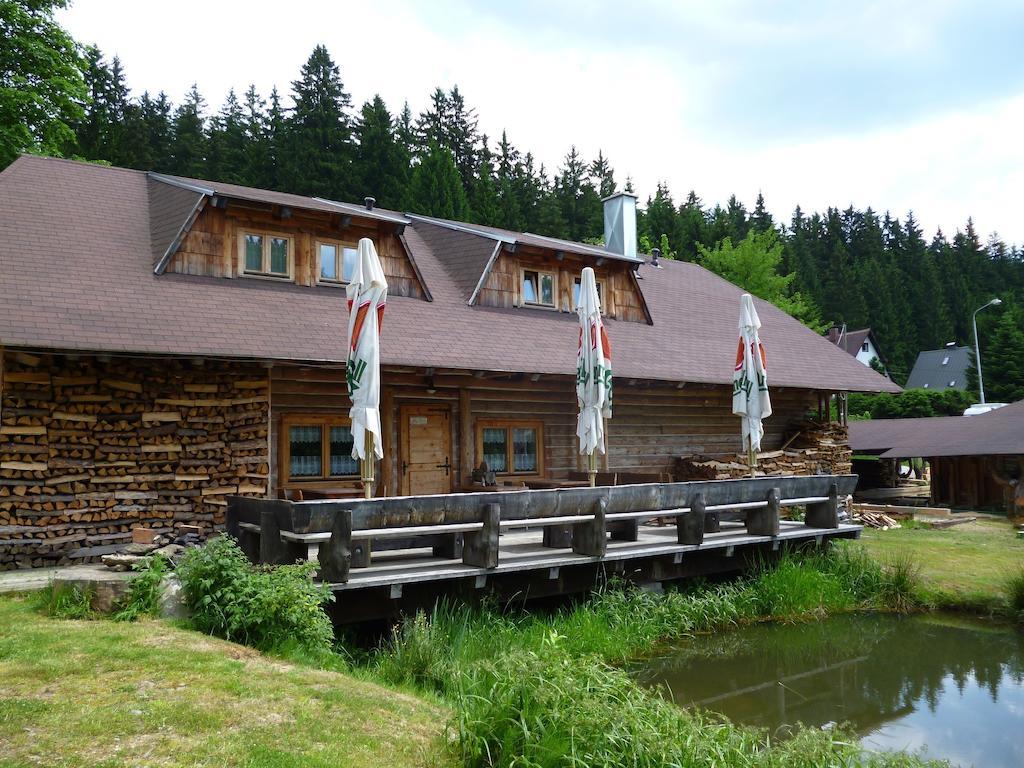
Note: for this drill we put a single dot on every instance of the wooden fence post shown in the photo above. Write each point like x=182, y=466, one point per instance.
x=335, y=554
x=824, y=514
x=765, y=521
x=690, y=526
x=591, y=538
x=480, y=548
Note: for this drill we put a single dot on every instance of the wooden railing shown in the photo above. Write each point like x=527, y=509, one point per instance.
x=339, y=532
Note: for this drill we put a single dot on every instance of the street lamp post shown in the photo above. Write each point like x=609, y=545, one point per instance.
x=977, y=349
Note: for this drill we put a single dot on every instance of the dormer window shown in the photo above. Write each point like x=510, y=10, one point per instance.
x=538, y=288
x=265, y=254
x=576, y=293
x=337, y=261
x=865, y=346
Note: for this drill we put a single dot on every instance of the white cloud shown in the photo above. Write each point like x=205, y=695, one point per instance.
x=655, y=110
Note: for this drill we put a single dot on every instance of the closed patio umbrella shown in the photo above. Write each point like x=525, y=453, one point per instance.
x=750, y=398
x=367, y=294
x=593, y=373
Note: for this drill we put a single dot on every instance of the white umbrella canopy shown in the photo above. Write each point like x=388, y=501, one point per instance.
x=593, y=370
x=367, y=295
x=750, y=398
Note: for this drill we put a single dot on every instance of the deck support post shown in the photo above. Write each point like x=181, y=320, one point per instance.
x=824, y=514
x=557, y=536
x=450, y=548
x=626, y=530
x=690, y=526
x=591, y=538
x=335, y=554
x=480, y=548
x=248, y=540
x=765, y=521
x=273, y=551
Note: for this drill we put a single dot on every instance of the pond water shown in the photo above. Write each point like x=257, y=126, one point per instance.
x=943, y=686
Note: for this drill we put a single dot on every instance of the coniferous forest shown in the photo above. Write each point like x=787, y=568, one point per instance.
x=917, y=290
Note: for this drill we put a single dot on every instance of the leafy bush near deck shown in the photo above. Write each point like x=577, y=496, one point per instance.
x=270, y=608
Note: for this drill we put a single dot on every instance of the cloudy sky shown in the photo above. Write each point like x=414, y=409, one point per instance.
x=897, y=105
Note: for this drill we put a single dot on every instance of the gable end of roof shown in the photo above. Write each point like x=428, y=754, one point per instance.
x=172, y=210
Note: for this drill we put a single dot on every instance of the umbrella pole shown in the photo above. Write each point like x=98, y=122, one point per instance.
x=367, y=465
x=592, y=468
x=752, y=458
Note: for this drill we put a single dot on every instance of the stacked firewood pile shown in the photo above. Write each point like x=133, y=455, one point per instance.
x=815, y=449
x=876, y=520
x=90, y=448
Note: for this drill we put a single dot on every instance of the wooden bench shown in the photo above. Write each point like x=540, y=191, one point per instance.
x=469, y=525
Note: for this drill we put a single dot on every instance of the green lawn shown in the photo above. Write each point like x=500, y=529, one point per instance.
x=100, y=693
x=967, y=564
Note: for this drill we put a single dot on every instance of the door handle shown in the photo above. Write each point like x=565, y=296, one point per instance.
x=405, y=467
x=447, y=466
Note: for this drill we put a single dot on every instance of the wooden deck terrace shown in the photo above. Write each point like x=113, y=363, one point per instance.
x=383, y=557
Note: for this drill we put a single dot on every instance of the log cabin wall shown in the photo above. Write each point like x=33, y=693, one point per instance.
x=652, y=424
x=621, y=296
x=90, y=447
x=211, y=247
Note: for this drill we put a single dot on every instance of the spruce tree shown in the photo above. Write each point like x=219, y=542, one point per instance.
x=382, y=164
x=435, y=188
x=188, y=136
x=602, y=171
x=256, y=162
x=318, y=160
x=228, y=142
x=761, y=220
x=509, y=173
x=483, y=196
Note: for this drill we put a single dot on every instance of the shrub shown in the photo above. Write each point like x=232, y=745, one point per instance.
x=1015, y=594
x=900, y=587
x=271, y=608
x=143, y=598
x=62, y=601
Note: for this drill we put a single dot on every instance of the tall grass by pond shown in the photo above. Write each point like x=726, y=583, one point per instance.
x=544, y=690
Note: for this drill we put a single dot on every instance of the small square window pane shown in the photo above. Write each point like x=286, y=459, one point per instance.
x=328, y=262
x=524, y=450
x=342, y=462
x=547, y=290
x=305, y=448
x=530, y=292
x=496, y=448
x=279, y=256
x=253, y=253
x=351, y=258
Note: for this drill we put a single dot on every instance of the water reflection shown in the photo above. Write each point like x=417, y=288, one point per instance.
x=951, y=688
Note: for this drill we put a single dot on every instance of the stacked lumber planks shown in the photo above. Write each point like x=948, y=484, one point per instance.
x=91, y=447
x=817, y=449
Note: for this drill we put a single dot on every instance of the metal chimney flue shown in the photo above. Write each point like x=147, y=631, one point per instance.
x=655, y=255
x=620, y=224
x=370, y=202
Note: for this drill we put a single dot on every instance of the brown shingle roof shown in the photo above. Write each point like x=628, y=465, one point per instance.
x=94, y=222
x=999, y=432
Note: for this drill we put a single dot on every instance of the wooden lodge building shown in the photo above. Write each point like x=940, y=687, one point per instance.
x=168, y=342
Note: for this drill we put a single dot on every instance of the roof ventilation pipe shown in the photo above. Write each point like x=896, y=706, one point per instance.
x=370, y=202
x=655, y=255
x=620, y=224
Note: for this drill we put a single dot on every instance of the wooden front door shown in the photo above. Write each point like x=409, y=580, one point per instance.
x=426, y=460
